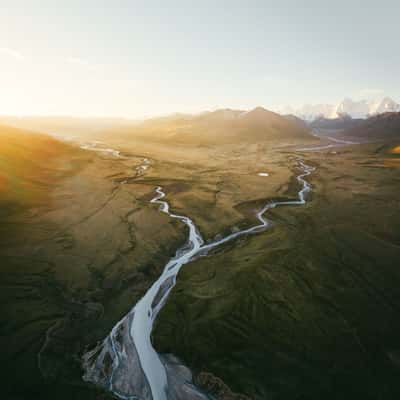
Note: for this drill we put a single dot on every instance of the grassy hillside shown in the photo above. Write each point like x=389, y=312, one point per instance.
x=77, y=250
x=306, y=310
x=29, y=164
x=309, y=309
x=340, y=123
x=383, y=127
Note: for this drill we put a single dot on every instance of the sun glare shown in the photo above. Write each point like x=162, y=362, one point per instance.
x=396, y=150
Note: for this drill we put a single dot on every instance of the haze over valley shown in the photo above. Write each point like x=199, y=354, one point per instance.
x=169, y=231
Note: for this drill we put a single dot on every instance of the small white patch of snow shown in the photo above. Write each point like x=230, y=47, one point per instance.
x=263, y=174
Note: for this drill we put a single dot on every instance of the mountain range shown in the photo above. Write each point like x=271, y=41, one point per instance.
x=382, y=127
x=352, y=108
x=222, y=126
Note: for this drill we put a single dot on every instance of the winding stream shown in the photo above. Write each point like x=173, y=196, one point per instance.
x=129, y=344
x=335, y=142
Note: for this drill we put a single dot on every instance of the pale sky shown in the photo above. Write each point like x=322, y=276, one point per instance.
x=139, y=58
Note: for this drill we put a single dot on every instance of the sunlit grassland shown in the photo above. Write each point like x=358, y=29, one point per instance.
x=308, y=308
x=30, y=163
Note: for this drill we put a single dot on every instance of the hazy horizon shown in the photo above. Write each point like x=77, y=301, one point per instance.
x=199, y=200
x=136, y=60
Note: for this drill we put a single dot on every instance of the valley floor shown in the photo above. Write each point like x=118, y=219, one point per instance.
x=308, y=309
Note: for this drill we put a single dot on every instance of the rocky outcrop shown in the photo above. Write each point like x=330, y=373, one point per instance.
x=216, y=387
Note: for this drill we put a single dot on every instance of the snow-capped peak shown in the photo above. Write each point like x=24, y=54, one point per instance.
x=383, y=105
x=354, y=109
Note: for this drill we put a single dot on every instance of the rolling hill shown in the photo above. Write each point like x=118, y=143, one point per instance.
x=383, y=127
x=223, y=126
x=29, y=165
x=340, y=123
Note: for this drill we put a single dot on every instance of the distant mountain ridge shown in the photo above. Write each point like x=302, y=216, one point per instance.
x=382, y=127
x=340, y=123
x=223, y=126
x=352, y=108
